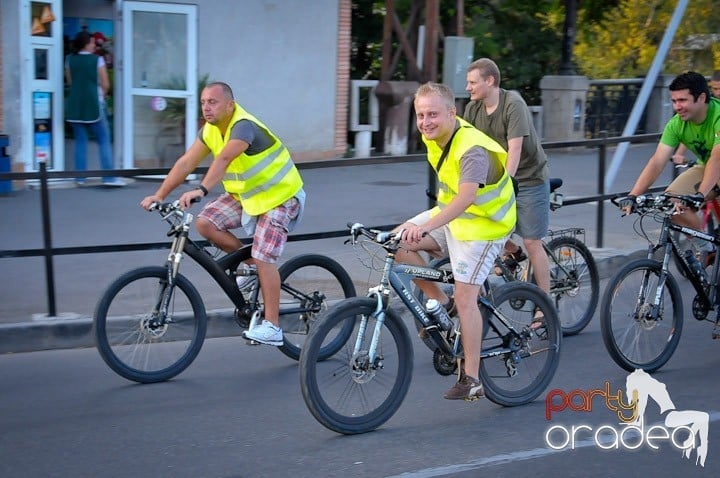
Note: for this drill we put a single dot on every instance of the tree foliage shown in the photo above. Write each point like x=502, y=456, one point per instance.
x=623, y=42
x=614, y=38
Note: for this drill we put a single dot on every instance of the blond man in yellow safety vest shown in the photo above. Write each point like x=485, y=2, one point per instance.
x=474, y=217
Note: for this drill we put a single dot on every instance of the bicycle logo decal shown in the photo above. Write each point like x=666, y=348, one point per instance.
x=686, y=430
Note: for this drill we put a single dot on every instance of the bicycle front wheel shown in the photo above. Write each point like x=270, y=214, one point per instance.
x=310, y=284
x=140, y=342
x=529, y=359
x=574, y=283
x=352, y=392
x=637, y=333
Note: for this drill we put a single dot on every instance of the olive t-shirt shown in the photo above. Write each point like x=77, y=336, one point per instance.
x=512, y=119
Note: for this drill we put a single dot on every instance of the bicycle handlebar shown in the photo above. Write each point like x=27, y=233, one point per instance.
x=663, y=202
x=380, y=237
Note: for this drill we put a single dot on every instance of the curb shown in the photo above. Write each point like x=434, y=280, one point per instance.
x=59, y=333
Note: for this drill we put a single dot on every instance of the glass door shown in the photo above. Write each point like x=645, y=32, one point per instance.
x=160, y=104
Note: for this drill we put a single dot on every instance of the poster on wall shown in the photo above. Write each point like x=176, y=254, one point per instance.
x=42, y=129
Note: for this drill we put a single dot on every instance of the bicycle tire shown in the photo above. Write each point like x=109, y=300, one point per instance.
x=314, y=276
x=130, y=345
x=341, y=393
x=574, y=283
x=640, y=343
x=516, y=379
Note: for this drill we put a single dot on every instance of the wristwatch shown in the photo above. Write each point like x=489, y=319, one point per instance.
x=203, y=189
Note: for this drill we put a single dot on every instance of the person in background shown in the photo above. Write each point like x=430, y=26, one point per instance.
x=715, y=84
x=505, y=117
x=87, y=77
x=263, y=194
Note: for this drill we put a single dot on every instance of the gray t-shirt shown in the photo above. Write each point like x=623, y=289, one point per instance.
x=512, y=119
x=246, y=130
x=476, y=167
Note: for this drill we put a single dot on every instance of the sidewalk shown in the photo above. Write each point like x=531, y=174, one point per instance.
x=372, y=195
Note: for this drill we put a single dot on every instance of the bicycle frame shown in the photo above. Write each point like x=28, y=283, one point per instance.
x=708, y=296
x=247, y=307
x=399, y=277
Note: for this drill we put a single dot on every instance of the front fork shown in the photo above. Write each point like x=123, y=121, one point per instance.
x=379, y=314
x=160, y=314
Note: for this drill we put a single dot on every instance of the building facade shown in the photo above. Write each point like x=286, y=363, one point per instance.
x=286, y=60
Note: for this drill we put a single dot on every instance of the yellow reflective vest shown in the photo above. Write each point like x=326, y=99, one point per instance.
x=260, y=181
x=492, y=215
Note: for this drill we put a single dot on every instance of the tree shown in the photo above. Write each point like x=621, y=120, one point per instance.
x=523, y=38
x=622, y=43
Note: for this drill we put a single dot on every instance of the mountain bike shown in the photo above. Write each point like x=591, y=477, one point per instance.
x=151, y=322
x=641, y=314
x=709, y=211
x=365, y=382
x=574, y=277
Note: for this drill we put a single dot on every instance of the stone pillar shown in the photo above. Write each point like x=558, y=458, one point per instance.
x=563, y=107
x=396, y=97
x=659, y=108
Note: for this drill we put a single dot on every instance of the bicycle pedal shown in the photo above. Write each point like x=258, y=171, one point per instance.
x=471, y=399
x=252, y=342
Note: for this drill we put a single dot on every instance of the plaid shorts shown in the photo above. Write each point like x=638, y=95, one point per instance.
x=271, y=230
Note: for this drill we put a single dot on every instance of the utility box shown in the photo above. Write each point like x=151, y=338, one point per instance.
x=458, y=56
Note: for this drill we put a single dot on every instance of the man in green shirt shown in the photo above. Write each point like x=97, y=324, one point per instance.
x=696, y=124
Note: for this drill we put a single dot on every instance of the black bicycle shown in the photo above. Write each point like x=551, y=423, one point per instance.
x=151, y=321
x=641, y=314
x=365, y=382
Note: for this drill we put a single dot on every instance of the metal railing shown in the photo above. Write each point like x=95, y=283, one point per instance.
x=48, y=251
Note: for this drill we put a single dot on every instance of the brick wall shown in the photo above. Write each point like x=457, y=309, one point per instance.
x=342, y=92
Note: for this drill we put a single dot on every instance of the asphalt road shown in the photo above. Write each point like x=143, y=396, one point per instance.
x=238, y=412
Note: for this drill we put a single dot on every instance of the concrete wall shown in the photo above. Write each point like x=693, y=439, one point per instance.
x=280, y=57
x=286, y=60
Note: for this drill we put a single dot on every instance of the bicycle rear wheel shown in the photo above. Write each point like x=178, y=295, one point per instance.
x=348, y=393
x=311, y=284
x=131, y=340
x=520, y=374
x=633, y=337
x=574, y=283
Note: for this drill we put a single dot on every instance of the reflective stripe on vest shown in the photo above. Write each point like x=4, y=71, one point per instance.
x=260, y=181
x=492, y=215
x=486, y=198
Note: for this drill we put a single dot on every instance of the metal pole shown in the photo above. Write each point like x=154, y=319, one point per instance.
x=645, y=91
x=600, y=225
x=47, y=240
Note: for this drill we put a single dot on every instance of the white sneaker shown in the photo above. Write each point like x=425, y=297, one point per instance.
x=265, y=333
x=246, y=278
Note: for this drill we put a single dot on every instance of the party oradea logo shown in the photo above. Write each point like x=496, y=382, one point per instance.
x=686, y=430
